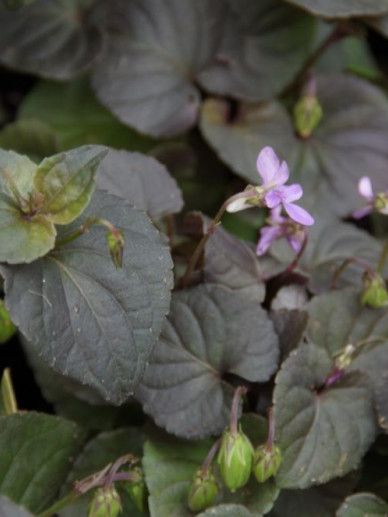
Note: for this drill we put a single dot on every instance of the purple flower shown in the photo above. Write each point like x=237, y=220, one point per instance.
x=378, y=202
x=275, y=174
x=281, y=227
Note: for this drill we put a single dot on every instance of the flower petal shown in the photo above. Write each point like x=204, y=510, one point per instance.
x=267, y=165
x=296, y=241
x=365, y=188
x=276, y=215
x=291, y=193
x=298, y=214
x=268, y=235
x=238, y=204
x=273, y=198
x=283, y=174
x=362, y=212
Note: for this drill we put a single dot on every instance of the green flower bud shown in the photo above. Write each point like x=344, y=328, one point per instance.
x=375, y=293
x=235, y=459
x=7, y=328
x=307, y=115
x=115, y=241
x=203, y=490
x=266, y=462
x=105, y=503
x=137, y=489
x=381, y=203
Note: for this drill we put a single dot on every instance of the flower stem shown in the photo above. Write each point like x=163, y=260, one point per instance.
x=383, y=258
x=185, y=281
x=211, y=454
x=345, y=264
x=271, y=429
x=239, y=392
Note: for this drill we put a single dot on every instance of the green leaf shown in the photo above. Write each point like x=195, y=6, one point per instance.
x=58, y=39
x=86, y=319
x=36, y=455
x=142, y=181
x=23, y=238
x=31, y=137
x=329, y=245
x=342, y=8
x=210, y=331
x=169, y=466
x=66, y=181
x=10, y=509
x=232, y=263
x=338, y=319
x=323, y=432
x=319, y=501
x=263, y=46
x=16, y=175
x=361, y=505
x=155, y=53
x=77, y=118
x=349, y=141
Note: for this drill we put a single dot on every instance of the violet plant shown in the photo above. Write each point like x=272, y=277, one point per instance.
x=193, y=258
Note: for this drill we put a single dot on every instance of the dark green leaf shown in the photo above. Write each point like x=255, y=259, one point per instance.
x=156, y=51
x=16, y=175
x=58, y=39
x=142, y=181
x=338, y=319
x=66, y=181
x=36, y=455
x=263, y=46
x=323, y=432
x=85, y=318
x=342, y=8
x=210, y=331
x=10, y=509
x=349, y=140
x=362, y=505
x=31, y=137
x=169, y=467
x=77, y=118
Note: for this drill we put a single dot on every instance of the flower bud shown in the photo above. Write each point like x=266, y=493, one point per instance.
x=115, y=242
x=7, y=328
x=266, y=462
x=375, y=293
x=137, y=489
x=203, y=490
x=307, y=115
x=235, y=459
x=381, y=203
x=105, y=503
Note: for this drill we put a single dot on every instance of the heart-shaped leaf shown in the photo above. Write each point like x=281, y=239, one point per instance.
x=342, y=8
x=85, y=318
x=36, y=456
x=349, y=141
x=338, y=319
x=156, y=51
x=361, y=505
x=210, y=331
x=142, y=181
x=58, y=39
x=323, y=432
x=260, y=39
x=10, y=509
x=66, y=181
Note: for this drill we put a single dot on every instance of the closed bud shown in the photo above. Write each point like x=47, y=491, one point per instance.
x=105, y=503
x=266, y=462
x=307, y=115
x=137, y=489
x=235, y=459
x=203, y=490
x=115, y=242
x=7, y=328
x=381, y=203
x=375, y=293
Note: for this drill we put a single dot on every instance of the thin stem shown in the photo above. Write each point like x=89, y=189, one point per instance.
x=383, y=258
x=271, y=429
x=239, y=392
x=8, y=394
x=290, y=268
x=345, y=264
x=339, y=32
x=58, y=505
x=211, y=454
x=210, y=229
x=84, y=228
